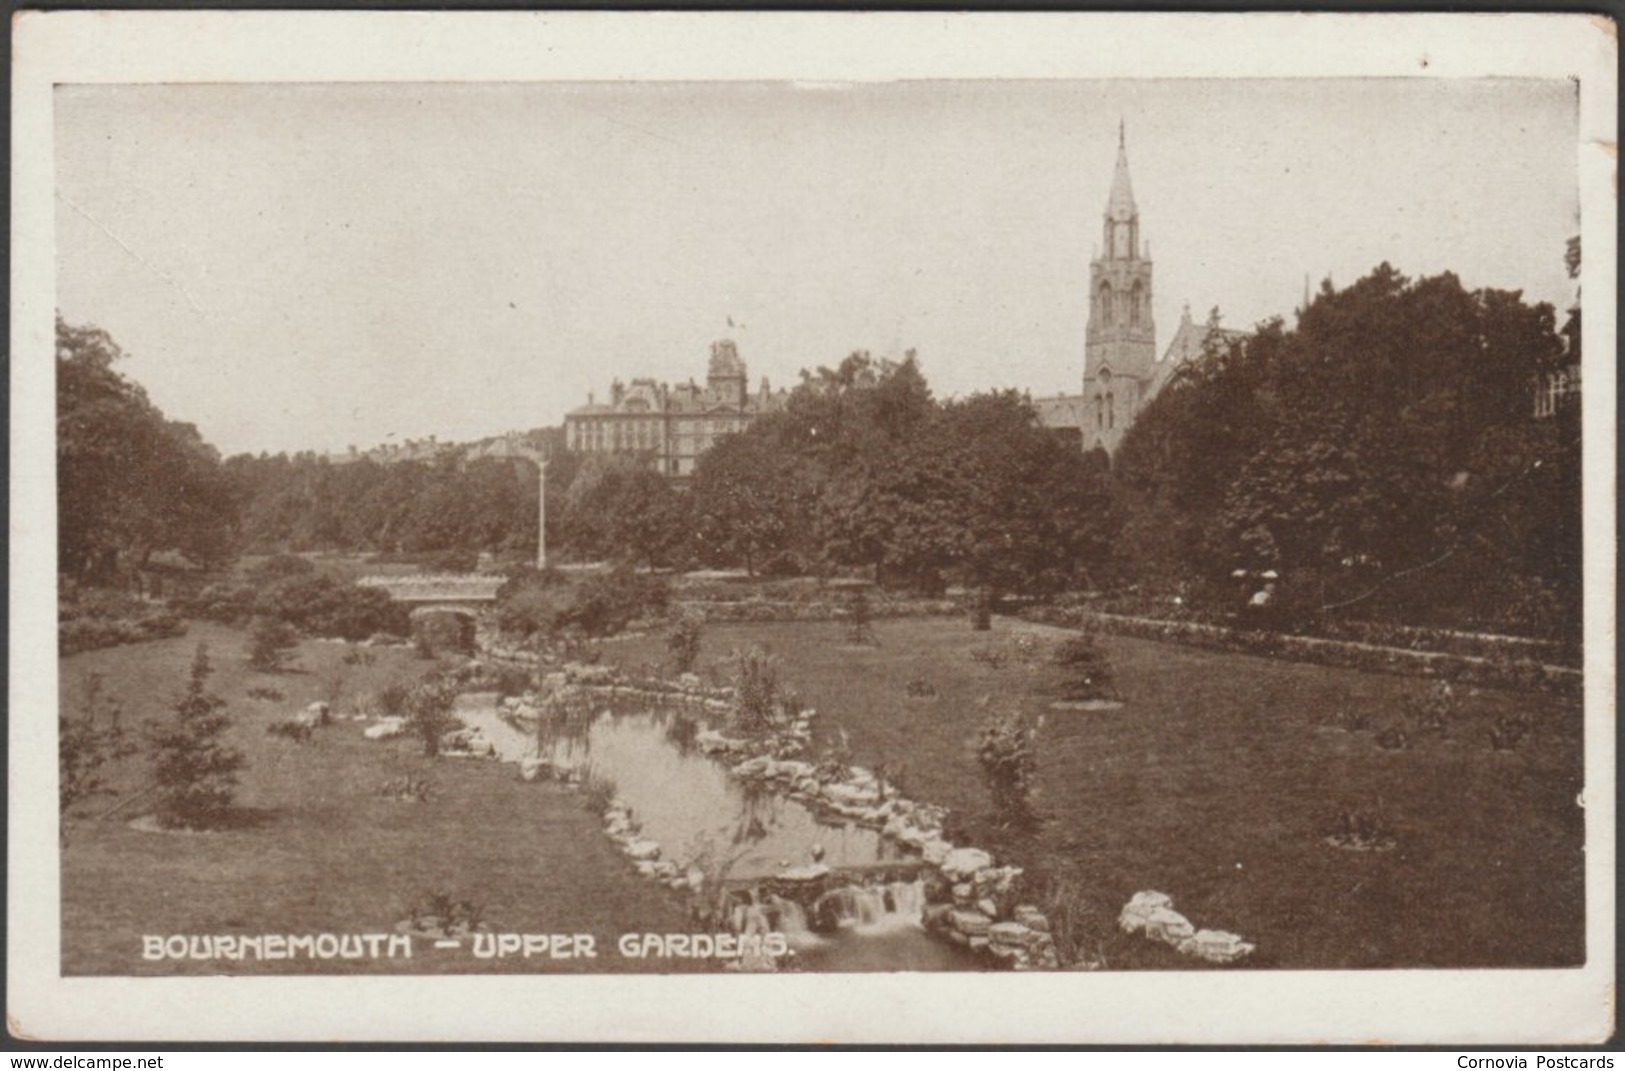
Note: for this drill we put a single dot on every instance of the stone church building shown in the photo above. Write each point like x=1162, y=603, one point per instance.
x=1121, y=372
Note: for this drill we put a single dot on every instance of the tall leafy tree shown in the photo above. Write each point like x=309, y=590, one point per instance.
x=130, y=482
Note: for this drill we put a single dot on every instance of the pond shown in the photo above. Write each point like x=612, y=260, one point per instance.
x=740, y=833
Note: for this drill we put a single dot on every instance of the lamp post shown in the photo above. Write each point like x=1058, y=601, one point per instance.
x=541, y=511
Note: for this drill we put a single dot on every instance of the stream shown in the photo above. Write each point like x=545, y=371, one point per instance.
x=698, y=814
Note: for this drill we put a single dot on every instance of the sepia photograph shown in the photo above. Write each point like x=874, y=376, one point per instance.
x=839, y=522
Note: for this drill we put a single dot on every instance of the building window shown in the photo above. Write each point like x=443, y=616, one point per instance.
x=1111, y=411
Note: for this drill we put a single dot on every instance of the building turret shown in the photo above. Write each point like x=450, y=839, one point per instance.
x=726, y=376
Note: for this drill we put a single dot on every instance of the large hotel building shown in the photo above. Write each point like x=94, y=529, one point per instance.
x=672, y=426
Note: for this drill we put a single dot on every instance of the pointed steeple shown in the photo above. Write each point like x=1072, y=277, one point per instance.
x=1120, y=205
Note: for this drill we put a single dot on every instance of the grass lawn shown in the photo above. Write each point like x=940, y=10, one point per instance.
x=1216, y=783
x=321, y=851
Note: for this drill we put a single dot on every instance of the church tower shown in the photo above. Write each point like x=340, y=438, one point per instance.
x=1120, y=350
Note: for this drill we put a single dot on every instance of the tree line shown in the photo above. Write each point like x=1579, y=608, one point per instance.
x=1381, y=457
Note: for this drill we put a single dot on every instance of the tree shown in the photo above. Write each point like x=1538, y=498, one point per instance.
x=1378, y=456
x=86, y=742
x=753, y=498
x=129, y=481
x=629, y=514
x=271, y=644
x=194, y=770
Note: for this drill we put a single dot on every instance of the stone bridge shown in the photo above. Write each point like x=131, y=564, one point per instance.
x=461, y=593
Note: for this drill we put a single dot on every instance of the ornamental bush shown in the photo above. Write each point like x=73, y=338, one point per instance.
x=1004, y=751
x=195, y=771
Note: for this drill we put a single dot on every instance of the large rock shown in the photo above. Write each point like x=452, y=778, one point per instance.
x=1030, y=917
x=1216, y=946
x=643, y=850
x=809, y=872
x=385, y=728
x=712, y=742
x=963, y=863
x=1138, y=910
x=1010, y=935
x=1169, y=926
x=935, y=850
x=754, y=768
x=970, y=923
x=850, y=795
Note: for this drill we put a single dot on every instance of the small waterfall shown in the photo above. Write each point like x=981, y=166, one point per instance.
x=792, y=922
x=877, y=908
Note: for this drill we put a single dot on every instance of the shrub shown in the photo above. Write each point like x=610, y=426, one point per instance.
x=1433, y=710
x=1088, y=673
x=1352, y=719
x=1004, y=751
x=1361, y=830
x=271, y=644
x=1393, y=738
x=683, y=643
x=681, y=729
x=196, y=773
x=292, y=729
x=428, y=711
x=226, y=603
x=608, y=602
x=359, y=657
x=408, y=789
x=93, y=619
x=1509, y=731
x=531, y=601
x=1076, y=923
x=391, y=699
x=981, y=612
x=860, y=627
x=989, y=656
x=597, y=793
x=511, y=680
x=438, y=915
x=920, y=688
x=755, y=683
x=270, y=695
x=86, y=743
x=323, y=606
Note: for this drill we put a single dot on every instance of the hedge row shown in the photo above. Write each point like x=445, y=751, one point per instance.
x=107, y=619
x=1509, y=668
x=764, y=610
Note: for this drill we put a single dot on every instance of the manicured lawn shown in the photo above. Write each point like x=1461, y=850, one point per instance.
x=322, y=852
x=1216, y=783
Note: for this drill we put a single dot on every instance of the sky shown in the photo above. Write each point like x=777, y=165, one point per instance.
x=297, y=267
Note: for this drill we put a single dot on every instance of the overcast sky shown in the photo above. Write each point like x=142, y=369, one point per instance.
x=307, y=267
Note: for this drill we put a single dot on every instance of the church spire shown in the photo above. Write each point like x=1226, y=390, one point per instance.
x=1120, y=205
